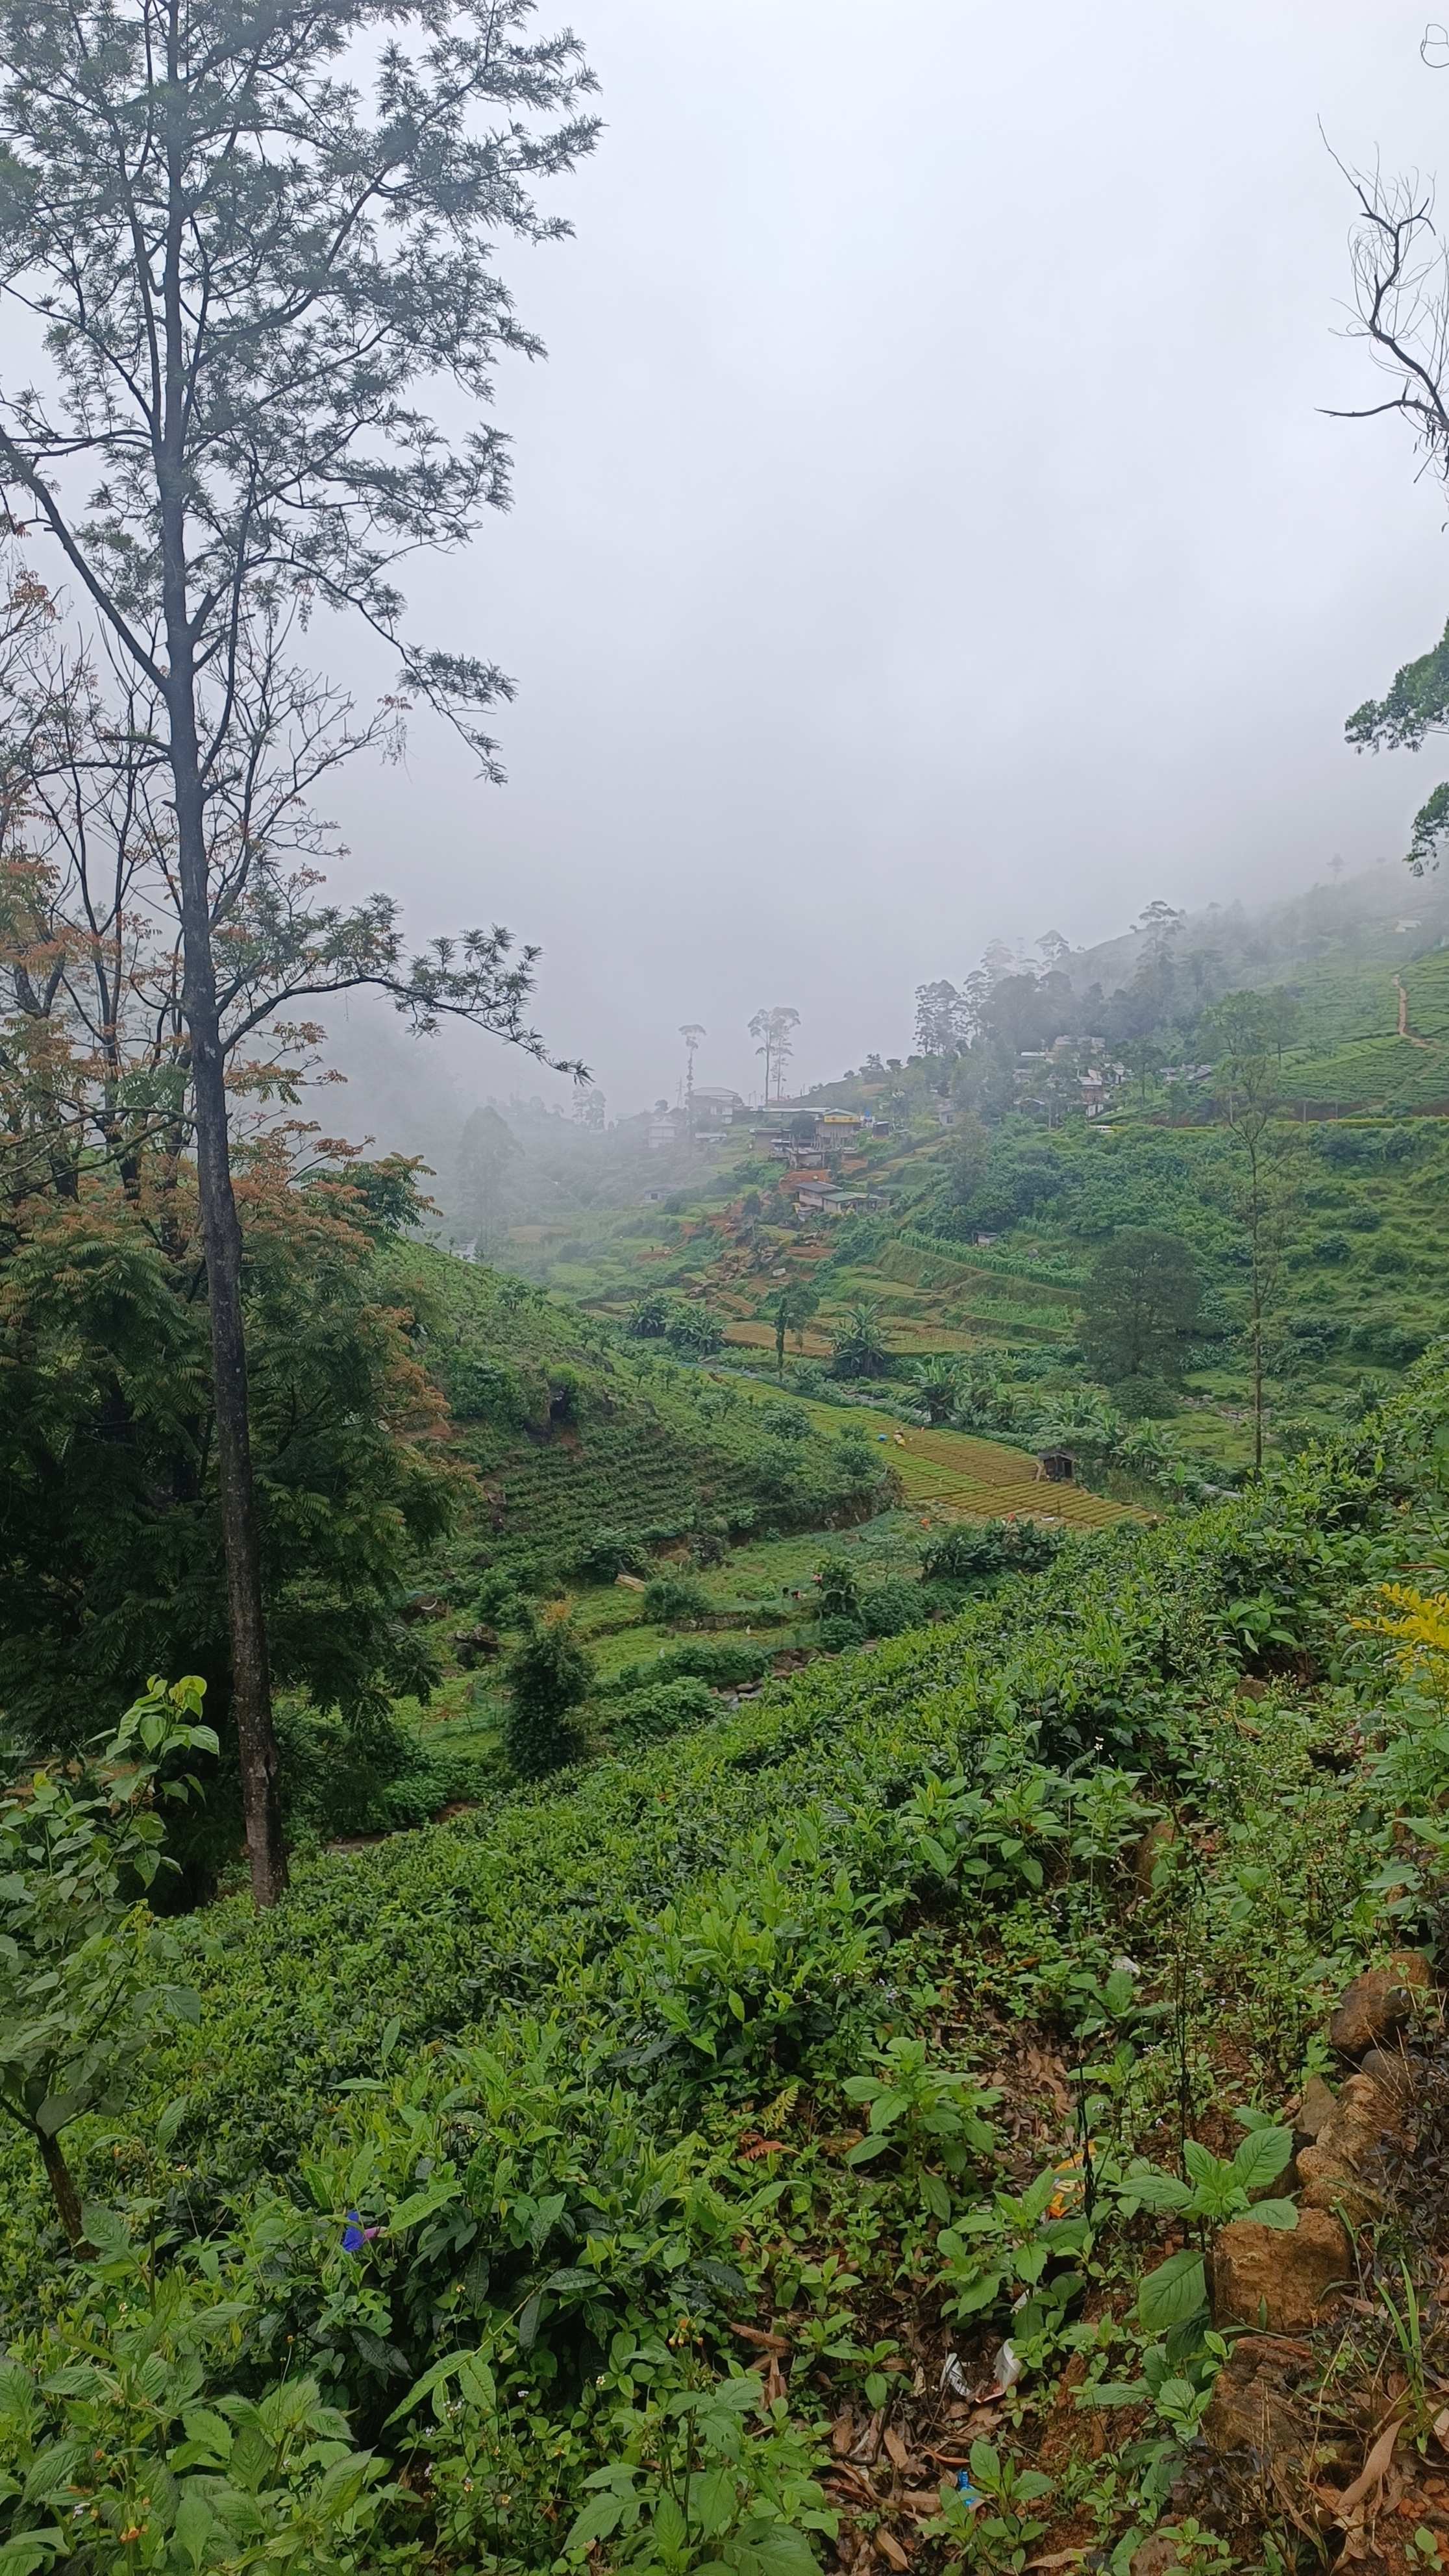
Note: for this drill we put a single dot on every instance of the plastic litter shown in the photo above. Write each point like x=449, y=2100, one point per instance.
x=953, y=2377
x=355, y=2235
x=967, y=2494
x=1007, y=2370
x=1125, y=1967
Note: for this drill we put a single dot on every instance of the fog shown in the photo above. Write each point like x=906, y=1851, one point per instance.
x=926, y=527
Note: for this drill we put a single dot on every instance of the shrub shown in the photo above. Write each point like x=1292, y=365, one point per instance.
x=498, y=1601
x=661, y=1709
x=785, y=1422
x=728, y=1662
x=975, y=1550
x=839, y=1588
x=547, y=1678
x=693, y=1332
x=1385, y=1345
x=837, y=1632
x=807, y=1377
x=890, y=1608
x=610, y=1553
x=673, y=1597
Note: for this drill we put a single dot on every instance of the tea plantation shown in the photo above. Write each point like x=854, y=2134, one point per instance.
x=826, y=2137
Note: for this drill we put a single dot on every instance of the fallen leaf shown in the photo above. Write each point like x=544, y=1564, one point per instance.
x=891, y=2551
x=898, y=2450
x=753, y=2334
x=842, y=2432
x=867, y=2445
x=1374, y=2470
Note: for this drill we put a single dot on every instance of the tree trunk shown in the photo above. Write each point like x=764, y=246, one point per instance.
x=220, y=1227
x=221, y=1242
x=62, y=2184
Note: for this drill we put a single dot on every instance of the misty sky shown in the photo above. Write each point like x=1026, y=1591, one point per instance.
x=924, y=529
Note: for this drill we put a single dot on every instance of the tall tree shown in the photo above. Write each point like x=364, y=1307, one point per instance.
x=244, y=279
x=1142, y=1302
x=793, y=1308
x=773, y=1028
x=1401, y=295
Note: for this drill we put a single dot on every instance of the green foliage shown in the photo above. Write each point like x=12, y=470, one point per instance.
x=123, y=2447
x=610, y=1553
x=888, y=1609
x=936, y=1387
x=693, y=1331
x=1215, y=2191
x=547, y=1677
x=928, y=2115
x=973, y=1551
x=672, y=1600
x=1141, y=1306
x=85, y=1974
x=112, y=1558
x=526, y=2048
x=858, y=1348
x=697, y=2484
x=661, y=1709
x=1014, y=2247
x=838, y=1583
x=790, y=1311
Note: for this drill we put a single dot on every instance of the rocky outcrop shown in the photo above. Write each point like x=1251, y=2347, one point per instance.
x=1278, y=2278
x=1380, y=2003
x=1252, y=2406
x=1342, y=2169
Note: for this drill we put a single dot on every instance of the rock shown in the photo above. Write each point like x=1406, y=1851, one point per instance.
x=1315, y=2107
x=1340, y=2168
x=1287, y=2274
x=1378, y=2004
x=1156, y=2555
x=1392, y=2073
x=1251, y=2407
x=1149, y=1852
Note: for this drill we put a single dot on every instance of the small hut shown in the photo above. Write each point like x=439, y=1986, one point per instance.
x=1058, y=1466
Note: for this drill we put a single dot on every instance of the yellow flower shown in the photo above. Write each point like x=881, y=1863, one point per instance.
x=1418, y=1625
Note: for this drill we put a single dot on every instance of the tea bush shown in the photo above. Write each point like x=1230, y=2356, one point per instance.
x=494, y=2134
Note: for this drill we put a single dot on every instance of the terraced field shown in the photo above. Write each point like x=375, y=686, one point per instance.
x=955, y=1476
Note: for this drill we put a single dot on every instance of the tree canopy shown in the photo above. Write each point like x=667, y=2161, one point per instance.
x=1142, y=1304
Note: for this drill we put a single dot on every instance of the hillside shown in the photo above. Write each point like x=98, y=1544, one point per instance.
x=984, y=1271
x=773, y=2139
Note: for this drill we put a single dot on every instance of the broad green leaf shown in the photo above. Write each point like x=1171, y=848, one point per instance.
x=777, y=2550
x=714, y=2499
x=1275, y=2213
x=887, y=2107
x=1174, y=2292
x=865, y=2148
x=935, y=2195
x=670, y=2530
x=193, y=2527
x=1154, y=2190
x=599, y=2520
x=435, y=2376
x=421, y=2204
x=1262, y=2157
